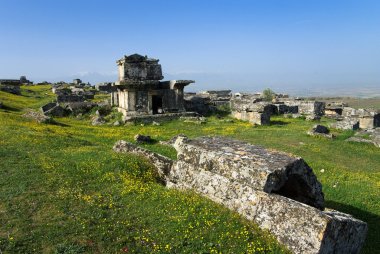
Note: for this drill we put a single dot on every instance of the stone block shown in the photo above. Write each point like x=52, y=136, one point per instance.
x=265, y=170
x=260, y=185
x=346, y=124
x=255, y=118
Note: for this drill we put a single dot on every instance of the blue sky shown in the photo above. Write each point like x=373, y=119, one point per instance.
x=247, y=45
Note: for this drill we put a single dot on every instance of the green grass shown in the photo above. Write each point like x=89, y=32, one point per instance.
x=63, y=189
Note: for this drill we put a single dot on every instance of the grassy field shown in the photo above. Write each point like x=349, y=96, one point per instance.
x=63, y=189
x=355, y=102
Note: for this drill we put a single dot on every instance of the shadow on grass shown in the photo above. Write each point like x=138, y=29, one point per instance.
x=278, y=123
x=372, y=243
x=8, y=109
x=54, y=122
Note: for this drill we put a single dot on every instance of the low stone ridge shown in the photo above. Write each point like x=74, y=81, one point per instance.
x=157, y=118
x=371, y=136
x=274, y=189
x=162, y=164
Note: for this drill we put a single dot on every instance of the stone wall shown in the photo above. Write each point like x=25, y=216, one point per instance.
x=276, y=190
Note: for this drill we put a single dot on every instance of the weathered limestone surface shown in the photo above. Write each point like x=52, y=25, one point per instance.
x=271, y=188
x=244, y=178
x=268, y=171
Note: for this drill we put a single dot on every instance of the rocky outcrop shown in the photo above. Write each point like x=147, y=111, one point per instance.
x=276, y=190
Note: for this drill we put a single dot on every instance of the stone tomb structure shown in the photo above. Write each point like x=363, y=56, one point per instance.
x=140, y=91
x=250, y=107
x=276, y=190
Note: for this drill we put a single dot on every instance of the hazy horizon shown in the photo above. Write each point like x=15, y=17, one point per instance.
x=298, y=47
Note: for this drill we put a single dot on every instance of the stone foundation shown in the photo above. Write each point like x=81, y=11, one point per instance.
x=158, y=117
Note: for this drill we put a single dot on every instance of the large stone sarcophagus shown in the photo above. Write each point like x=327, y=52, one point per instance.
x=276, y=190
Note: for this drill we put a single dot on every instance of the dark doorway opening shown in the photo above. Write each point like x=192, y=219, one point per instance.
x=157, y=104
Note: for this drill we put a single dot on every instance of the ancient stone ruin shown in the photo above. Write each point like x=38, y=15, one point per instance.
x=13, y=85
x=276, y=190
x=140, y=91
x=206, y=102
x=250, y=107
x=352, y=119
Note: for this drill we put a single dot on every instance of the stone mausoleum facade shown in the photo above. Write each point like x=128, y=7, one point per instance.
x=140, y=91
